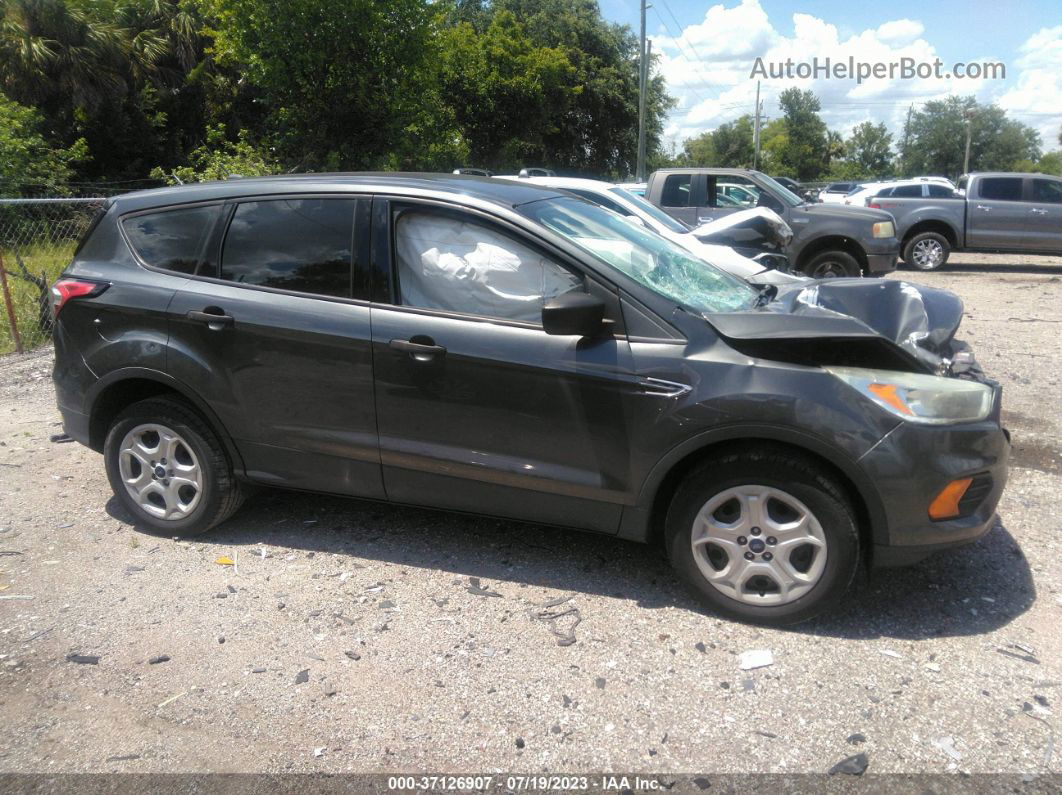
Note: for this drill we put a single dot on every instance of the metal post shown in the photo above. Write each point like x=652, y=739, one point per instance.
x=10, y=307
x=756, y=131
x=643, y=79
x=966, y=158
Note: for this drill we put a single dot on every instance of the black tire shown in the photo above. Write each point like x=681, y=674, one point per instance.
x=919, y=260
x=799, y=477
x=221, y=493
x=832, y=264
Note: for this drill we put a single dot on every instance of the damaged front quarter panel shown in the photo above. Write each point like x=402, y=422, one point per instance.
x=871, y=323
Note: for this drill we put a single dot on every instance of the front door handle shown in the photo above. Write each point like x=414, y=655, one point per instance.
x=1038, y=211
x=983, y=207
x=216, y=320
x=420, y=347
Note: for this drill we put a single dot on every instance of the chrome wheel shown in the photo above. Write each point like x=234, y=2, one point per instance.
x=160, y=471
x=759, y=545
x=927, y=254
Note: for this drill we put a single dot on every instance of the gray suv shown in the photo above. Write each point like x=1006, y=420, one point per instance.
x=507, y=349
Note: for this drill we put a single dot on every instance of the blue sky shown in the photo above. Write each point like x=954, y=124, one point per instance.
x=708, y=48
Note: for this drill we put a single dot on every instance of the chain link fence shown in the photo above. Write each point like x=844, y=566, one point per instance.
x=37, y=241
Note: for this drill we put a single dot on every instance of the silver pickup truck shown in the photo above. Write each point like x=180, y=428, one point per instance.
x=999, y=212
x=828, y=239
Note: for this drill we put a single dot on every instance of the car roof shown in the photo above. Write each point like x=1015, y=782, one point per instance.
x=566, y=183
x=499, y=191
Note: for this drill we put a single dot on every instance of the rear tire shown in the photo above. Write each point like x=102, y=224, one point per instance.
x=833, y=264
x=168, y=468
x=794, y=574
x=927, y=251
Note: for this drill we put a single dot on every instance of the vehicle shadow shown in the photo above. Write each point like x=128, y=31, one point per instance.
x=1028, y=268
x=971, y=590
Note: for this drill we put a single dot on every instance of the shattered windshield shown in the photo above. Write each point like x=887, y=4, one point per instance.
x=655, y=262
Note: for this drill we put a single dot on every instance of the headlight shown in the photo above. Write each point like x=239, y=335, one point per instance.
x=928, y=399
x=883, y=229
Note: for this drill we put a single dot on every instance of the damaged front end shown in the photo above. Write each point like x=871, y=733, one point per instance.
x=868, y=323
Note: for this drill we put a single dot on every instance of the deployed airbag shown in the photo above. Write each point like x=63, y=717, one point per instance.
x=446, y=263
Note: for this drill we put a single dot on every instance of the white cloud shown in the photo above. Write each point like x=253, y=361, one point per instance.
x=708, y=70
x=1037, y=91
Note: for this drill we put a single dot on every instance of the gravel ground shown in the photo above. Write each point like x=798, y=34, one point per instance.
x=352, y=636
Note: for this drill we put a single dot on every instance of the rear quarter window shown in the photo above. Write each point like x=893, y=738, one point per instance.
x=171, y=239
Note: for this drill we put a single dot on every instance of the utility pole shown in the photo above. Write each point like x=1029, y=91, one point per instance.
x=966, y=159
x=906, y=139
x=643, y=79
x=756, y=131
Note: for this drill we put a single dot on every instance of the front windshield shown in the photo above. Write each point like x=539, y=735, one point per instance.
x=651, y=260
x=657, y=214
x=784, y=193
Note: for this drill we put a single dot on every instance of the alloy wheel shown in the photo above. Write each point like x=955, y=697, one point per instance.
x=160, y=471
x=928, y=254
x=759, y=545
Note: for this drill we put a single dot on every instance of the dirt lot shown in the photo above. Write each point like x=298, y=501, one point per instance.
x=351, y=637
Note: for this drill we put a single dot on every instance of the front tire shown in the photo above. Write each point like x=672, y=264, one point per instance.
x=168, y=468
x=926, y=251
x=833, y=264
x=765, y=536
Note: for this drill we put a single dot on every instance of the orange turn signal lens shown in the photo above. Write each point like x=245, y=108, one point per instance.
x=946, y=504
x=887, y=392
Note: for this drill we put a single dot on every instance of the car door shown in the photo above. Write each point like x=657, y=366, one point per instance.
x=996, y=217
x=478, y=408
x=273, y=333
x=1044, y=219
x=682, y=195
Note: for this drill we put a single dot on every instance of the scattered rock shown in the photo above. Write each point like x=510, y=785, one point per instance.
x=280, y=605
x=755, y=658
x=353, y=655
x=302, y=677
x=475, y=588
x=83, y=659
x=222, y=595
x=768, y=735
x=221, y=638
x=932, y=666
x=159, y=659
x=856, y=739
x=702, y=782
x=851, y=766
x=258, y=670
x=133, y=569
x=125, y=758
x=947, y=746
x=599, y=683
x=699, y=647
x=387, y=604
x=520, y=742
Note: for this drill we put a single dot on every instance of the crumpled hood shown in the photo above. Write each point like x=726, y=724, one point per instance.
x=920, y=321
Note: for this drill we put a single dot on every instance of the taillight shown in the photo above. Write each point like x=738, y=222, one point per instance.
x=67, y=289
x=874, y=205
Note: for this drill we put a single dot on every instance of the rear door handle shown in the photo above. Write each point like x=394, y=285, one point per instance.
x=982, y=207
x=1038, y=211
x=419, y=347
x=212, y=319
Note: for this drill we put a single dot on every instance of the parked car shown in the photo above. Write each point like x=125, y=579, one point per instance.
x=835, y=192
x=474, y=172
x=637, y=188
x=744, y=196
x=754, y=265
x=861, y=195
x=1003, y=212
x=502, y=348
x=828, y=240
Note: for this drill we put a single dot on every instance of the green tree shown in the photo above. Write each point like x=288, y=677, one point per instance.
x=507, y=93
x=700, y=150
x=806, y=152
x=936, y=138
x=734, y=147
x=220, y=158
x=868, y=150
x=344, y=83
x=30, y=165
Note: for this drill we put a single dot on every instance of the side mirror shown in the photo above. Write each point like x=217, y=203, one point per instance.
x=573, y=314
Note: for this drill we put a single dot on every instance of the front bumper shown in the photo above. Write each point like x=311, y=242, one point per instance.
x=882, y=263
x=912, y=464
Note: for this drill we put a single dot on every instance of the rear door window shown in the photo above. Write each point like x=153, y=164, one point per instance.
x=677, y=190
x=907, y=192
x=1047, y=191
x=299, y=244
x=171, y=239
x=1003, y=189
x=940, y=191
